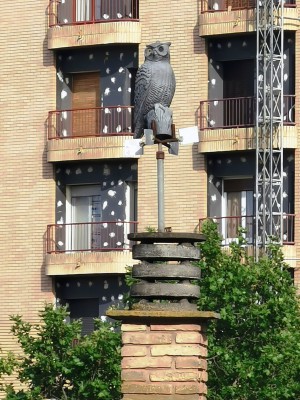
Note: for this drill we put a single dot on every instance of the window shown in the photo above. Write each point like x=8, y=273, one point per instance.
x=238, y=89
x=131, y=201
x=83, y=212
x=86, y=310
x=115, y=10
x=130, y=211
x=237, y=208
x=89, y=296
x=83, y=10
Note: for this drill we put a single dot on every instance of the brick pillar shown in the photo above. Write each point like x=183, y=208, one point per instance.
x=163, y=359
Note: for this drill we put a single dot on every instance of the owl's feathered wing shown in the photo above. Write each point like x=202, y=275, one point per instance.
x=142, y=85
x=155, y=83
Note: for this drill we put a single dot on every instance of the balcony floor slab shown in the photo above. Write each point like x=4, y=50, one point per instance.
x=86, y=148
x=83, y=263
x=232, y=139
x=66, y=36
x=239, y=21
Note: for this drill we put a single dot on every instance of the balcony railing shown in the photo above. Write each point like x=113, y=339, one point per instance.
x=228, y=228
x=100, y=121
x=238, y=112
x=91, y=236
x=227, y=5
x=78, y=12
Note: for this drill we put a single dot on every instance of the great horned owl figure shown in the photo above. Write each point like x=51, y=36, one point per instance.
x=155, y=83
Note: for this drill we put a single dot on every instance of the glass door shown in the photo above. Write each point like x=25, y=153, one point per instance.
x=96, y=226
x=81, y=214
x=237, y=208
x=238, y=88
x=85, y=217
x=233, y=214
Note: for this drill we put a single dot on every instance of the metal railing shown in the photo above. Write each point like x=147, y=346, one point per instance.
x=90, y=236
x=238, y=112
x=99, y=121
x=227, y=5
x=228, y=228
x=78, y=12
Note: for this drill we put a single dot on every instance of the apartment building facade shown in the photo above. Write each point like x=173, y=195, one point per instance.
x=71, y=191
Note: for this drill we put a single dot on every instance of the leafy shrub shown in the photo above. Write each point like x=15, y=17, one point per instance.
x=254, y=350
x=58, y=363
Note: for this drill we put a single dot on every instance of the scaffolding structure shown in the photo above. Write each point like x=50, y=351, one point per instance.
x=269, y=123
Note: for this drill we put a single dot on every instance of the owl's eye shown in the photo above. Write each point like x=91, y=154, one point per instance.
x=161, y=49
x=148, y=52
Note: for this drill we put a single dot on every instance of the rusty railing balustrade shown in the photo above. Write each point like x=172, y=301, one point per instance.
x=238, y=112
x=98, y=121
x=228, y=227
x=81, y=12
x=90, y=236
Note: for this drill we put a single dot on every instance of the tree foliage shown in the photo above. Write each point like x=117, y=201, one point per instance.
x=58, y=363
x=254, y=349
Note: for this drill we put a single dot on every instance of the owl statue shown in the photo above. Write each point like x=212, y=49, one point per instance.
x=155, y=83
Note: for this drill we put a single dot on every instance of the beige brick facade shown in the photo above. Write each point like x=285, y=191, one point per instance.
x=297, y=164
x=28, y=92
x=27, y=89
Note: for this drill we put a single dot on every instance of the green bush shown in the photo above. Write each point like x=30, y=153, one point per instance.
x=254, y=350
x=58, y=363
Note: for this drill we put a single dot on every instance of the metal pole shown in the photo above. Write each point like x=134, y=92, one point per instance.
x=160, y=155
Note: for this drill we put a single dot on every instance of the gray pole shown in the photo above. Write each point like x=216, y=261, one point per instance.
x=160, y=155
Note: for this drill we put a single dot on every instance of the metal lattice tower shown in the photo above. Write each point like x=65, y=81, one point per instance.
x=269, y=122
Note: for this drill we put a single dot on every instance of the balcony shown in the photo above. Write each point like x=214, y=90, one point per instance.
x=228, y=124
x=223, y=5
x=228, y=228
x=76, y=23
x=219, y=17
x=88, y=248
x=87, y=134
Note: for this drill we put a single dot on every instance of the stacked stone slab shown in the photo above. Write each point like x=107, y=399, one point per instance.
x=166, y=274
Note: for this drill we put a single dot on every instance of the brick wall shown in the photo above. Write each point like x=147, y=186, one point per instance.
x=185, y=189
x=27, y=92
x=297, y=160
x=185, y=176
x=164, y=362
